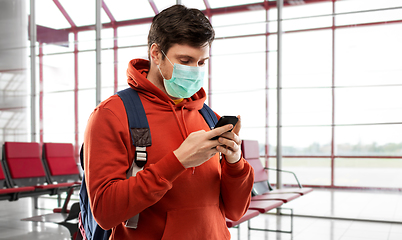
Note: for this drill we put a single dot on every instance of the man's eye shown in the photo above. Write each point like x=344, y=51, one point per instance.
x=200, y=64
x=184, y=61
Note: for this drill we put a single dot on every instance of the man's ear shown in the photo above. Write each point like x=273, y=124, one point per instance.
x=155, y=53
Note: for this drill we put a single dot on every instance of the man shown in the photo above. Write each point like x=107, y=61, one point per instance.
x=185, y=190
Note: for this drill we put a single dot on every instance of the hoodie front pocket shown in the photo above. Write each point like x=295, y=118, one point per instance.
x=196, y=223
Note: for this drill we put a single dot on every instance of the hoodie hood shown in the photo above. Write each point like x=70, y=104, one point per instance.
x=137, y=72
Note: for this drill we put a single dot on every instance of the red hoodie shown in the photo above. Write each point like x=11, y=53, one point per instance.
x=173, y=202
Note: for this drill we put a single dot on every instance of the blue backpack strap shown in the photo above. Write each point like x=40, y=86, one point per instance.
x=138, y=123
x=137, y=118
x=140, y=135
x=209, y=116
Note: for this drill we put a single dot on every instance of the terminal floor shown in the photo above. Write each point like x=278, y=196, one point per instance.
x=321, y=215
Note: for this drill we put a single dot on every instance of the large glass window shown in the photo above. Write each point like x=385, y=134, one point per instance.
x=368, y=172
x=368, y=140
x=238, y=82
x=367, y=104
x=310, y=171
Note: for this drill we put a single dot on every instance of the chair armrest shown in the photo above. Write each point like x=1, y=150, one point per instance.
x=67, y=200
x=280, y=170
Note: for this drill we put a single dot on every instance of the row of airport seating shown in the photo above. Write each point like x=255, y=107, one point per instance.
x=29, y=170
x=264, y=197
x=25, y=172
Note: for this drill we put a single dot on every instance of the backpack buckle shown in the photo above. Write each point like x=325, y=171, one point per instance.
x=141, y=156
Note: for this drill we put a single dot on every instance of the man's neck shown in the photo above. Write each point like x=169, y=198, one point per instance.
x=156, y=78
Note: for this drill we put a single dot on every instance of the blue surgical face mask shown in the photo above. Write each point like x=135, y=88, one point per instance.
x=185, y=81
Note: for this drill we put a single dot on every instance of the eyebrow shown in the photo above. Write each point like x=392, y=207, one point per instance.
x=190, y=57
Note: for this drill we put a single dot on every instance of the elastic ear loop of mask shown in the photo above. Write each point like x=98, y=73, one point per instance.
x=161, y=72
x=167, y=57
x=160, y=68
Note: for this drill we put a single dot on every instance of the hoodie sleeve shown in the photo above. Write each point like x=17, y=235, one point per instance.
x=108, y=156
x=237, y=182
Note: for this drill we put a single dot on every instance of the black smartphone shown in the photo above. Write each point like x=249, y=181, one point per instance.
x=224, y=120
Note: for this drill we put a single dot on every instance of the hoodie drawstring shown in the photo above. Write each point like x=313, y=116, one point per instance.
x=183, y=131
x=184, y=122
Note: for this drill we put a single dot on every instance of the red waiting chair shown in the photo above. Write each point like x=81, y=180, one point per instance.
x=59, y=162
x=261, y=190
x=251, y=151
x=7, y=193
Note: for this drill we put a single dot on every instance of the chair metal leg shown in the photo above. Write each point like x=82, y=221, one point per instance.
x=248, y=230
x=276, y=230
x=59, y=200
x=35, y=202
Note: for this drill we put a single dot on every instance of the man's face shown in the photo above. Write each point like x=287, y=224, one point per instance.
x=185, y=55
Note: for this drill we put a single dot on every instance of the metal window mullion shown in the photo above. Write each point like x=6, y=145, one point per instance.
x=98, y=25
x=279, y=5
x=266, y=85
x=32, y=28
x=333, y=99
x=76, y=113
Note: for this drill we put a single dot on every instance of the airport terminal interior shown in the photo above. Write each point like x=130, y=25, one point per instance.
x=317, y=84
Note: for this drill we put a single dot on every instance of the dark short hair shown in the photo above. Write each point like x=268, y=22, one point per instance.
x=180, y=25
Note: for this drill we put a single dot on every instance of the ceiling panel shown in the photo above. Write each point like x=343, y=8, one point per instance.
x=162, y=4
x=199, y=4
x=128, y=9
x=82, y=12
x=48, y=15
x=228, y=3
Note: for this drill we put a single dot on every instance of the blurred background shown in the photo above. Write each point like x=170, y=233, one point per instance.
x=341, y=77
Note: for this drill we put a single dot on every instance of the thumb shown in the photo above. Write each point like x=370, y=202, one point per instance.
x=237, y=128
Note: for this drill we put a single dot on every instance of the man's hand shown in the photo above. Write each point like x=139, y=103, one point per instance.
x=230, y=144
x=199, y=148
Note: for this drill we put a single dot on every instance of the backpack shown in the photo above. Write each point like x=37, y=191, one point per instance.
x=141, y=137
